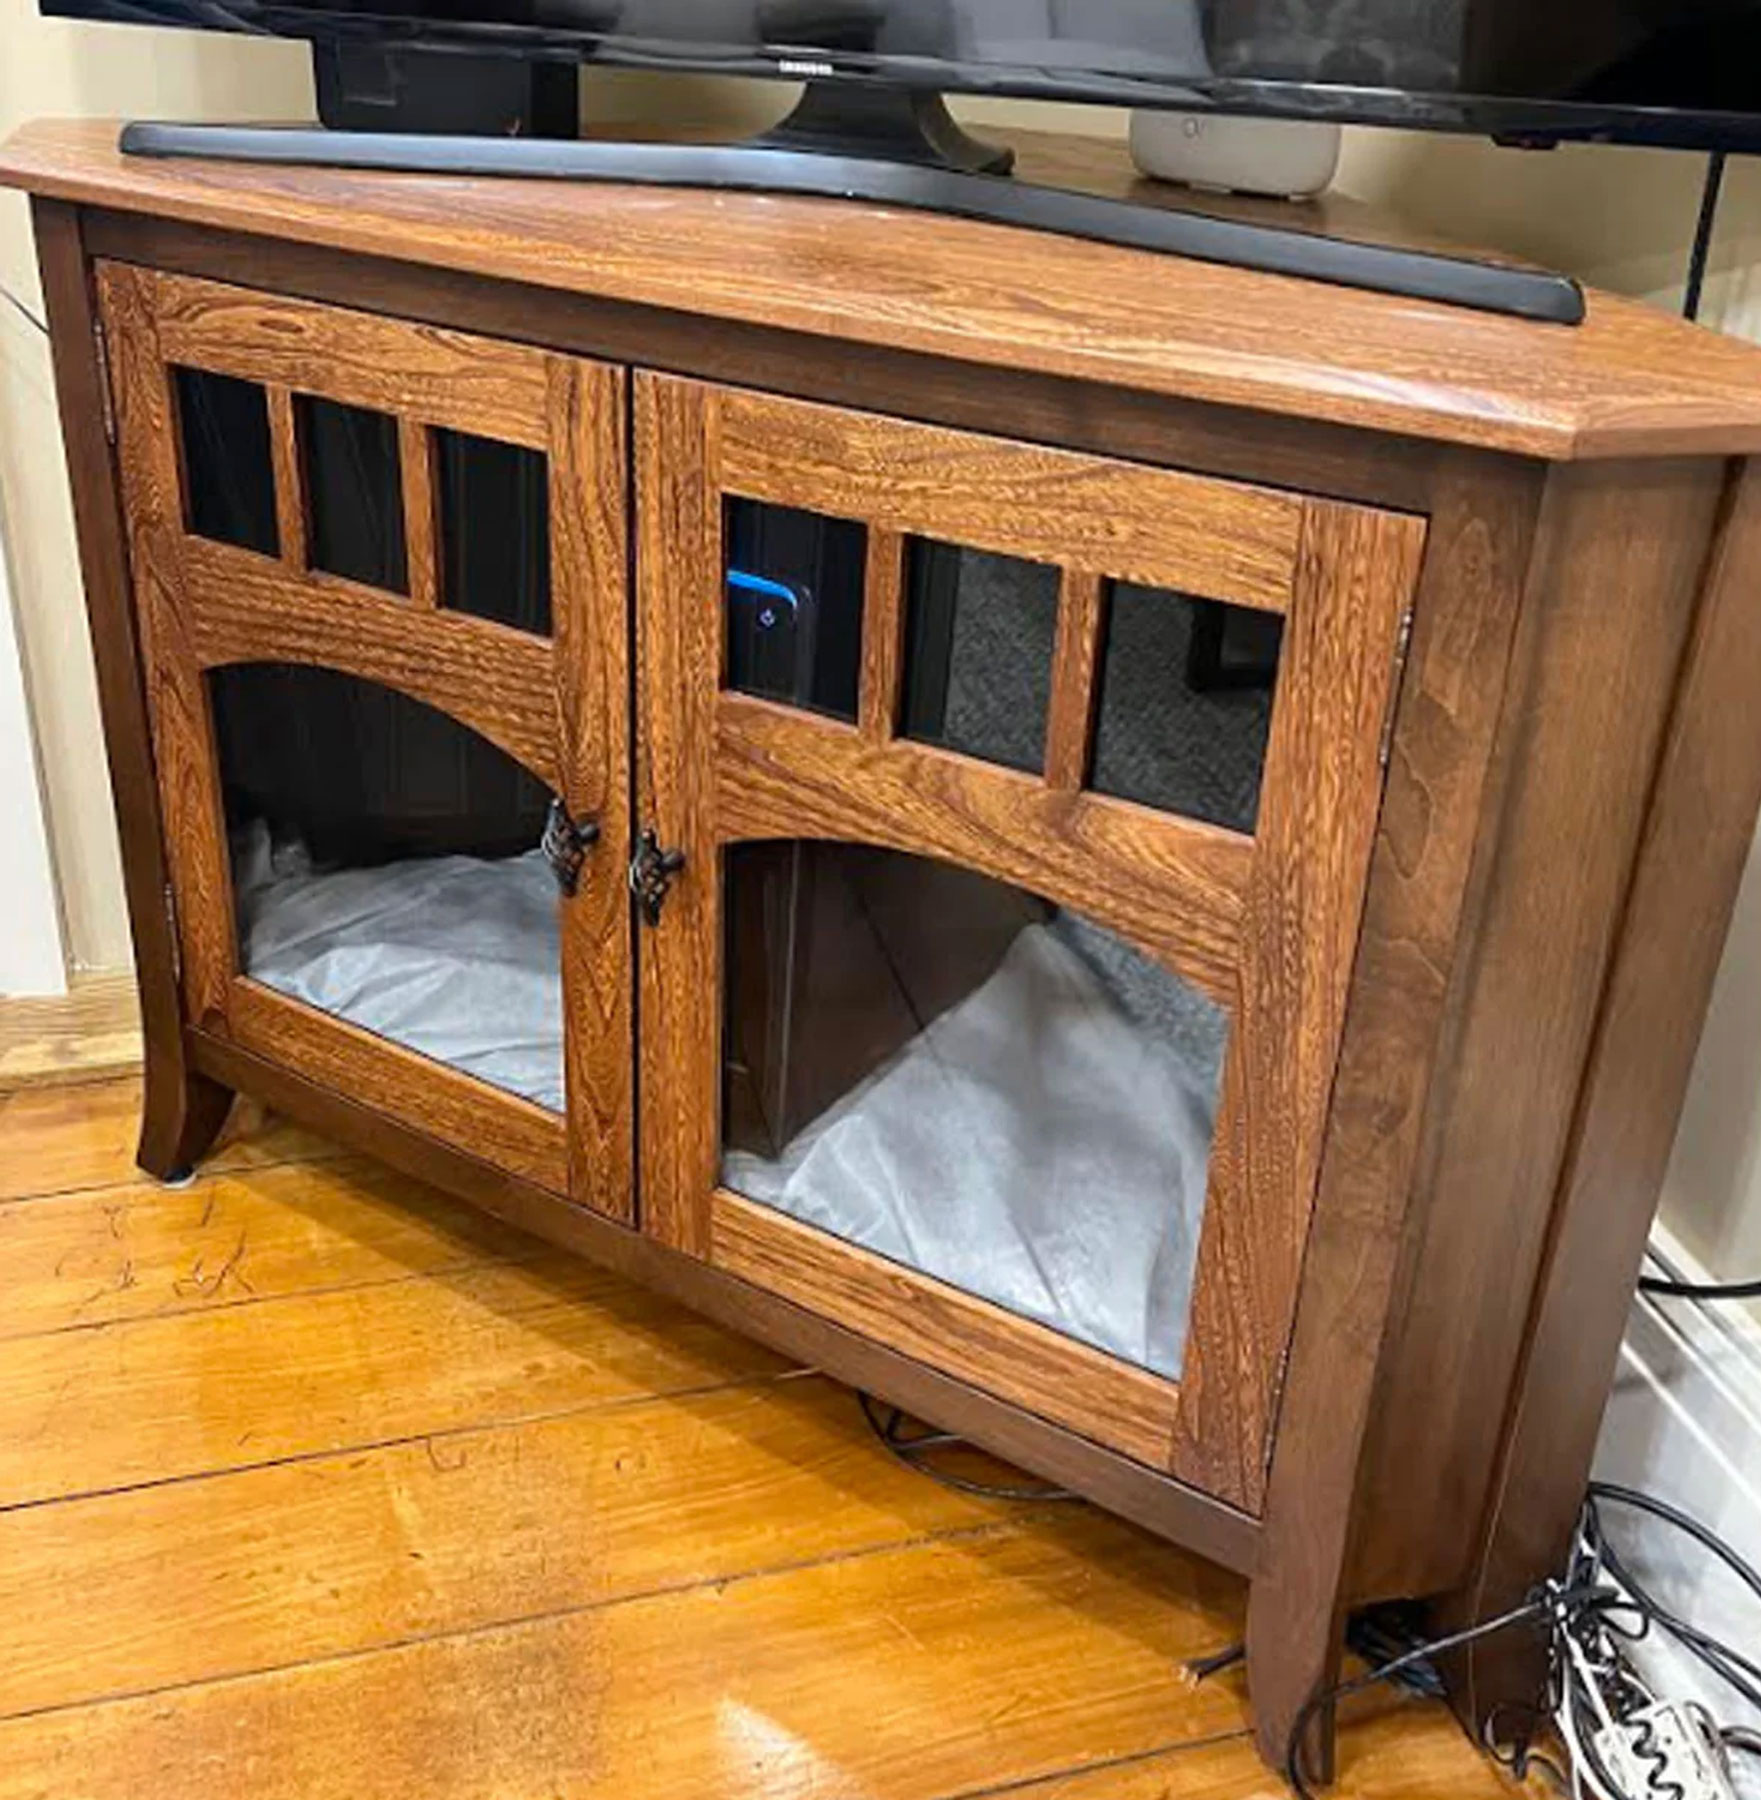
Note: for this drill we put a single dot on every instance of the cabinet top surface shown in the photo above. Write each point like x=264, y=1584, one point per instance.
x=1632, y=381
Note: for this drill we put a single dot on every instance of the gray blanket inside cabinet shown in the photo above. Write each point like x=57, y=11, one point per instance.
x=1043, y=1144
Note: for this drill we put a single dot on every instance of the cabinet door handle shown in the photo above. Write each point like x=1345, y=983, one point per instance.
x=565, y=845
x=651, y=874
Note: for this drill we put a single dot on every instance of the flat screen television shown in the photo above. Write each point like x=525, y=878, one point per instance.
x=410, y=81
x=1685, y=73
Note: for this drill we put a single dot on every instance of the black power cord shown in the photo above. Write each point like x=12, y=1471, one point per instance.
x=23, y=311
x=1663, y=1289
x=1734, y=1667
x=914, y=1445
x=1545, y=1606
x=1703, y=231
x=1597, y=1605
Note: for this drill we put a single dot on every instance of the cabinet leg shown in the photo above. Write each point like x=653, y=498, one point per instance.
x=1291, y=1658
x=180, y=1120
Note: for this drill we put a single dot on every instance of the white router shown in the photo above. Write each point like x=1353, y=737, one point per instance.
x=1289, y=159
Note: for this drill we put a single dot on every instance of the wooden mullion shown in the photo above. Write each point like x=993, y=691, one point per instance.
x=1076, y=662
x=883, y=635
x=290, y=494
x=415, y=444
x=1299, y=926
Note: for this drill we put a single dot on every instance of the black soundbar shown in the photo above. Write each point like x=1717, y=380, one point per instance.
x=1414, y=274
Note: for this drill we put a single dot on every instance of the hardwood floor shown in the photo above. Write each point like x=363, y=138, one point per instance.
x=314, y=1483
x=91, y=1033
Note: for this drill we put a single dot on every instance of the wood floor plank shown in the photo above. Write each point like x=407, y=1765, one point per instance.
x=90, y=1033
x=56, y=1139
x=270, y=1567
x=1404, y=1750
x=901, y=1675
x=101, y=1255
x=156, y=1399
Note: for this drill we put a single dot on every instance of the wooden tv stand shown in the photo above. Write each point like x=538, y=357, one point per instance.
x=1325, y=718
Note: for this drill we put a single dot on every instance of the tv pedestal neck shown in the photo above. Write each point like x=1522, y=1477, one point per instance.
x=1461, y=922
x=418, y=92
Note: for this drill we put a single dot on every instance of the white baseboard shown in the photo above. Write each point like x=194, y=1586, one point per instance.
x=1684, y=1424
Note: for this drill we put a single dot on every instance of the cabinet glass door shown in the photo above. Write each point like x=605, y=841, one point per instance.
x=380, y=583
x=1025, y=801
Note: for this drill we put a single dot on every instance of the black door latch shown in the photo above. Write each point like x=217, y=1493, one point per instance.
x=565, y=845
x=651, y=873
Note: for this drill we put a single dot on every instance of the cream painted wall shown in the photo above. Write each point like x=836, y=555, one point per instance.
x=50, y=66
x=1619, y=218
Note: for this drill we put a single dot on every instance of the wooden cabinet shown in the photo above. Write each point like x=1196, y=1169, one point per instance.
x=1255, y=923
x=1126, y=856
x=535, y=714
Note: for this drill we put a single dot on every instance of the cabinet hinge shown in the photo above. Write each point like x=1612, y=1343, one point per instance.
x=1402, y=649
x=176, y=936
x=107, y=399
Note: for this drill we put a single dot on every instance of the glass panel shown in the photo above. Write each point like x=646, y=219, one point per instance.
x=959, y=1076
x=494, y=530
x=386, y=869
x=228, y=472
x=354, y=492
x=1186, y=704
x=978, y=657
x=795, y=583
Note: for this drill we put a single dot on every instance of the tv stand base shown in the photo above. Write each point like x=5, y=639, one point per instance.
x=1413, y=274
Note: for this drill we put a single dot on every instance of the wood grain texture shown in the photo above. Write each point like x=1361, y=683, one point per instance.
x=1153, y=526
x=1306, y=455
x=519, y=1135
x=1630, y=381
x=57, y=1140
x=288, y=467
x=745, y=1512
x=1098, y=1395
x=883, y=635
x=90, y=1033
x=178, y=1103
x=1145, y=1496
x=422, y=527
x=498, y=681
x=1177, y=889
x=1319, y=803
x=590, y=610
x=189, y=785
x=1008, y=1653
x=678, y=654
x=453, y=1533
x=1391, y=1750
x=1076, y=686
x=156, y=1399
x=1173, y=885
x=1441, y=768
x=1695, y=844
x=75, y=1261
x=1617, y=572
x=386, y=365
